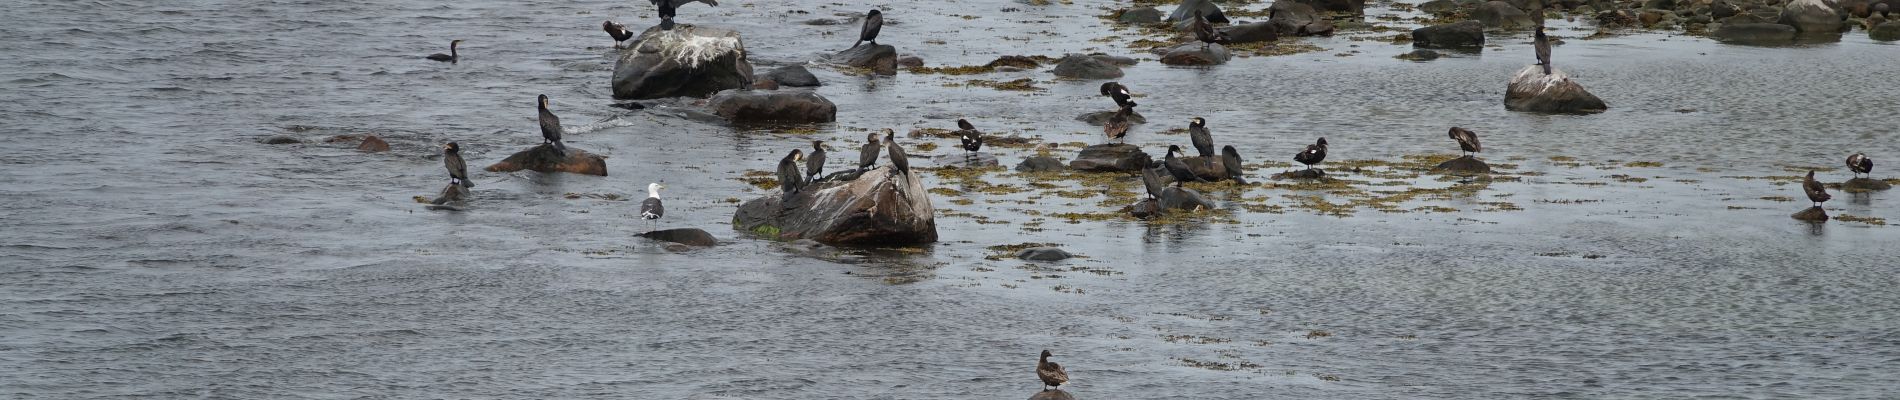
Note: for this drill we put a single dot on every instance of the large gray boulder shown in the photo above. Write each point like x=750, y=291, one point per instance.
x=1888, y=31
x=1498, y=14
x=773, y=106
x=1460, y=35
x=1532, y=90
x=1755, y=34
x=1196, y=53
x=1208, y=10
x=545, y=159
x=1077, y=66
x=1811, y=17
x=881, y=207
x=1297, y=19
x=690, y=61
x=1113, y=157
x=881, y=59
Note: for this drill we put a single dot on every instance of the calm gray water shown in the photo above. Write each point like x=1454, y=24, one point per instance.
x=153, y=248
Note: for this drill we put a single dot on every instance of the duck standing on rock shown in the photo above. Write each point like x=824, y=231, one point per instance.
x=1116, y=91
x=1860, y=164
x=1117, y=126
x=1542, y=43
x=1179, y=168
x=551, y=127
x=458, y=169
x=789, y=180
x=1203, y=140
x=898, y=158
x=1313, y=154
x=1205, y=32
x=867, y=154
x=651, y=209
x=1050, y=372
x=617, y=31
x=1816, y=192
x=972, y=138
x=452, y=57
x=873, y=22
x=1467, y=140
x=815, y=163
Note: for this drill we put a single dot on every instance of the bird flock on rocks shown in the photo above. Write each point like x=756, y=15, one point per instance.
x=1116, y=127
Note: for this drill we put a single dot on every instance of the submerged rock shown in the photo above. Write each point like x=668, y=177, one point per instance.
x=1418, y=55
x=1533, y=91
x=1113, y=157
x=967, y=160
x=1463, y=165
x=690, y=61
x=771, y=106
x=1041, y=164
x=280, y=139
x=1077, y=66
x=1811, y=214
x=881, y=59
x=1308, y=173
x=545, y=160
x=1196, y=53
x=881, y=207
x=1755, y=33
x=685, y=236
x=1865, y=185
x=793, y=75
x=1043, y=254
x=1459, y=35
x=372, y=144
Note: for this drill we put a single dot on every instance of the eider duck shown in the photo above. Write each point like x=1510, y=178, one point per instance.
x=1860, y=164
x=1203, y=140
x=1117, y=126
x=458, y=169
x=1313, y=154
x=867, y=154
x=452, y=57
x=972, y=138
x=1467, y=140
x=1116, y=91
x=617, y=31
x=1816, y=192
x=873, y=22
x=1050, y=372
x=551, y=127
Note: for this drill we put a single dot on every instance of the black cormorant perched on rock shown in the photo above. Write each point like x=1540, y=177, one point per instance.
x=666, y=8
x=815, y=163
x=458, y=169
x=452, y=57
x=898, y=158
x=1118, y=92
x=1467, y=140
x=867, y=154
x=551, y=127
x=1203, y=140
x=1230, y=161
x=1313, y=154
x=873, y=22
x=1205, y=32
x=1050, y=372
x=1152, y=182
x=789, y=180
x=972, y=138
x=1816, y=192
x=1179, y=168
x=1542, y=43
x=651, y=209
x=1117, y=126
x=1860, y=164
x=617, y=31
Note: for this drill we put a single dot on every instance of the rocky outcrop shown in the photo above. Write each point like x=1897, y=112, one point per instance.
x=1463, y=165
x=1196, y=53
x=1043, y=254
x=1498, y=14
x=773, y=106
x=1459, y=35
x=1139, y=15
x=1533, y=91
x=373, y=144
x=545, y=160
x=1815, y=214
x=881, y=59
x=793, y=76
x=1886, y=32
x=1114, y=157
x=690, y=61
x=1865, y=185
x=1755, y=34
x=1250, y=33
x=1208, y=10
x=1811, y=17
x=685, y=236
x=881, y=207
x=1041, y=164
x=1077, y=66
x=1297, y=19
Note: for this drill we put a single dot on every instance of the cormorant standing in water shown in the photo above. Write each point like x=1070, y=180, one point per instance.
x=618, y=31
x=789, y=180
x=1118, y=92
x=1313, y=154
x=551, y=127
x=972, y=138
x=651, y=209
x=815, y=163
x=867, y=154
x=1542, y=43
x=452, y=57
x=1205, y=32
x=873, y=22
x=1117, y=126
x=1860, y=164
x=898, y=158
x=1179, y=168
x=1050, y=372
x=1230, y=160
x=458, y=169
x=1203, y=140
x=1816, y=192
x=1467, y=140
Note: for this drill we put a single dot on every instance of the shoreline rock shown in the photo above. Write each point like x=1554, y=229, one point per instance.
x=1865, y=185
x=1812, y=214
x=1078, y=66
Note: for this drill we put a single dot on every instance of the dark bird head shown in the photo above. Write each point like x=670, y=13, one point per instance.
x=1174, y=148
x=890, y=135
x=873, y=13
x=1046, y=354
x=1197, y=122
x=454, y=43
x=451, y=148
x=871, y=138
x=1540, y=30
x=964, y=124
x=798, y=155
x=817, y=145
x=1109, y=87
x=1322, y=142
x=542, y=101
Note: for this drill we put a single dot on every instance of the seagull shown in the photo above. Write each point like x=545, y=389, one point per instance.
x=651, y=209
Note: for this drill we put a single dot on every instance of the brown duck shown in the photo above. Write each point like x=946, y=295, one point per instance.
x=1816, y=192
x=1050, y=372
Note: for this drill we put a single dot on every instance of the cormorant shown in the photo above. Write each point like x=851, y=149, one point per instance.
x=972, y=138
x=1179, y=168
x=873, y=22
x=1117, y=126
x=1152, y=182
x=1467, y=140
x=1050, y=372
x=1313, y=154
x=898, y=159
x=1118, y=92
x=789, y=180
x=651, y=209
x=1816, y=192
x=551, y=127
x=1860, y=164
x=867, y=154
x=1230, y=160
x=452, y=57
x=667, y=7
x=1203, y=141
x=815, y=163
x=458, y=169
x=1542, y=43
x=618, y=31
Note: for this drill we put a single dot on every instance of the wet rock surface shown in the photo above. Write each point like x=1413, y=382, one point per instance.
x=881, y=58
x=1196, y=53
x=372, y=144
x=1185, y=11
x=1498, y=14
x=1463, y=165
x=773, y=106
x=1041, y=164
x=1457, y=35
x=1055, y=394
x=1755, y=34
x=1077, y=66
x=689, y=61
x=686, y=236
x=1043, y=254
x=792, y=75
x=545, y=159
x=1252, y=32
x=1815, y=214
x=1865, y=185
x=1531, y=90
x=1113, y=157
x=879, y=208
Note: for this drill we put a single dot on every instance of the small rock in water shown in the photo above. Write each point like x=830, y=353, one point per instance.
x=1115, y=157
x=1418, y=55
x=1041, y=164
x=881, y=59
x=910, y=61
x=1865, y=185
x=1815, y=214
x=793, y=75
x=1043, y=254
x=544, y=159
x=1466, y=165
x=1076, y=66
x=1310, y=173
x=1140, y=15
x=280, y=139
x=373, y=144
x=685, y=236
x=1460, y=35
